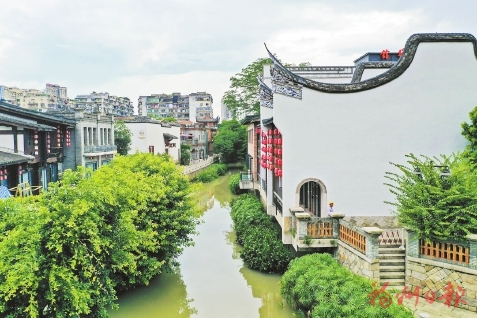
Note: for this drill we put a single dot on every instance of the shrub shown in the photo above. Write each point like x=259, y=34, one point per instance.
x=263, y=249
x=234, y=183
x=317, y=283
x=221, y=168
x=436, y=197
x=212, y=172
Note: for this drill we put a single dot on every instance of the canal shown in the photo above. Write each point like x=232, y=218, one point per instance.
x=211, y=280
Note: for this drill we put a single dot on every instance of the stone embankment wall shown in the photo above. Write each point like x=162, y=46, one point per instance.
x=430, y=276
x=357, y=262
x=360, y=260
x=437, y=276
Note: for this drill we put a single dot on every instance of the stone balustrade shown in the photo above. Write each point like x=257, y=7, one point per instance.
x=199, y=165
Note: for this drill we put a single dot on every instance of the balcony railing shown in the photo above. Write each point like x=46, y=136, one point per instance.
x=104, y=148
x=246, y=180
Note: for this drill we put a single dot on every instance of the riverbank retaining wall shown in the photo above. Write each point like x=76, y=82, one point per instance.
x=449, y=275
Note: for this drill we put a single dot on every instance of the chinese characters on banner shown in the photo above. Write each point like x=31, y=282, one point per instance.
x=385, y=54
x=385, y=299
x=400, y=52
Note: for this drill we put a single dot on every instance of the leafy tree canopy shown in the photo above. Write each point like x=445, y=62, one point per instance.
x=185, y=154
x=231, y=141
x=436, y=197
x=122, y=137
x=66, y=252
x=242, y=96
x=469, y=131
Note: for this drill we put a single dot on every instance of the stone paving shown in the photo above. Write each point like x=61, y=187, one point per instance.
x=436, y=309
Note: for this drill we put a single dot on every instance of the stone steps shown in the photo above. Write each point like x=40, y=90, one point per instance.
x=385, y=268
x=392, y=266
x=394, y=282
x=391, y=256
x=391, y=250
x=392, y=275
x=391, y=262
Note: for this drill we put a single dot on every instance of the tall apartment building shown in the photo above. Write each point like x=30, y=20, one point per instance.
x=199, y=100
x=225, y=113
x=104, y=103
x=53, y=97
x=181, y=107
x=58, y=96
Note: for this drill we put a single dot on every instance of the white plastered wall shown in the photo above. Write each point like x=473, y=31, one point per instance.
x=347, y=140
x=372, y=72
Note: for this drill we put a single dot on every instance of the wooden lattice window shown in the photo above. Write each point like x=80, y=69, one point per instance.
x=320, y=229
x=353, y=238
x=446, y=251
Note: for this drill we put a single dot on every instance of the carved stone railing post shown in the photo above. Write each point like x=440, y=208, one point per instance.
x=372, y=241
x=472, y=250
x=302, y=229
x=336, y=216
x=412, y=244
x=294, y=222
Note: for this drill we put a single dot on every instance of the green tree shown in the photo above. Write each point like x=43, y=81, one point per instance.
x=170, y=120
x=67, y=251
x=469, y=131
x=122, y=137
x=242, y=96
x=436, y=197
x=185, y=154
x=164, y=119
x=231, y=141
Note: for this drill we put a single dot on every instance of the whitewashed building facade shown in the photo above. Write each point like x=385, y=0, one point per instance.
x=334, y=140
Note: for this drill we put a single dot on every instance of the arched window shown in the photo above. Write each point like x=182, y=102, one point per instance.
x=310, y=197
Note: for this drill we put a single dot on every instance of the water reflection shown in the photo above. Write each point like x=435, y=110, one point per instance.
x=153, y=301
x=213, y=281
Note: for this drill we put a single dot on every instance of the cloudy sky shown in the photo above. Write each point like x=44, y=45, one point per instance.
x=132, y=48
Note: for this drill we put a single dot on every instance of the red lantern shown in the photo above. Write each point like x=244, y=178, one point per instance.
x=280, y=162
x=280, y=172
x=5, y=171
x=275, y=131
x=279, y=141
x=279, y=152
x=270, y=132
x=258, y=130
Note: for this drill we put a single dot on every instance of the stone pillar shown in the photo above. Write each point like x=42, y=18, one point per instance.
x=412, y=244
x=336, y=217
x=472, y=250
x=372, y=241
x=302, y=229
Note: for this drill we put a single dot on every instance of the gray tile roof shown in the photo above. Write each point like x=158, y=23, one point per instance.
x=12, y=109
x=169, y=136
x=7, y=158
x=267, y=121
x=24, y=123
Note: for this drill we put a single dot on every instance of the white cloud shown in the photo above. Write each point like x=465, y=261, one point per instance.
x=131, y=48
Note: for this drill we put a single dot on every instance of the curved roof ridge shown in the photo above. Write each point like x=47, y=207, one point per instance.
x=394, y=72
x=358, y=73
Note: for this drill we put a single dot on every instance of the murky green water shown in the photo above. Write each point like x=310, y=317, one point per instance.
x=212, y=280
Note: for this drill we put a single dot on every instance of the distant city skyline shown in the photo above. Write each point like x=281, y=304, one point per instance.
x=134, y=48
